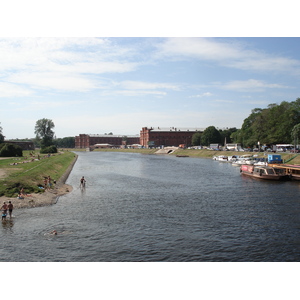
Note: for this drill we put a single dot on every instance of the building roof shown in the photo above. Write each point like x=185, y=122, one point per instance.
x=114, y=136
x=168, y=129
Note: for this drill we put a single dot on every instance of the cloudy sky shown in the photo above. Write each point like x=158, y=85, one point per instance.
x=119, y=85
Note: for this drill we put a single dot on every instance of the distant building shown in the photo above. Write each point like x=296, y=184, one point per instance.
x=25, y=145
x=171, y=136
x=214, y=146
x=90, y=140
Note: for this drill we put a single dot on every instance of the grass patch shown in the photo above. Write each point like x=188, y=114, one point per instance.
x=29, y=175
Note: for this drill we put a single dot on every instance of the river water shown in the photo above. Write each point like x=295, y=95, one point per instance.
x=150, y=208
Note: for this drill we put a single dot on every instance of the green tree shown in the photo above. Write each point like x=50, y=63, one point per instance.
x=296, y=134
x=1, y=135
x=66, y=142
x=210, y=136
x=196, y=139
x=226, y=133
x=44, y=132
x=271, y=125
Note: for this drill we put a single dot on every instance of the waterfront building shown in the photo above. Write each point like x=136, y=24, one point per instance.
x=84, y=141
x=171, y=136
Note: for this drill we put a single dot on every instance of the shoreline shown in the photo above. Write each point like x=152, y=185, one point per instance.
x=46, y=198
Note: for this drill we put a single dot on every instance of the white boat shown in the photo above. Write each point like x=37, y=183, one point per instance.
x=221, y=158
x=244, y=160
x=233, y=158
x=261, y=163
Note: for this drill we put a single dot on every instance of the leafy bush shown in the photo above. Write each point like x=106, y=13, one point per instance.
x=50, y=149
x=13, y=189
x=8, y=150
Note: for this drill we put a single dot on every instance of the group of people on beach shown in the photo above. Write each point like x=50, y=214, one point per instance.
x=48, y=182
x=7, y=207
x=22, y=194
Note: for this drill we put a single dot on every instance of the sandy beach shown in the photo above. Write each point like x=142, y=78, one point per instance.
x=41, y=199
x=48, y=197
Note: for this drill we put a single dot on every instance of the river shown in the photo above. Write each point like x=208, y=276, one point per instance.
x=150, y=208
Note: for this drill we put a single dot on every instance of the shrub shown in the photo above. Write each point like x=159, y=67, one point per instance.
x=50, y=149
x=8, y=150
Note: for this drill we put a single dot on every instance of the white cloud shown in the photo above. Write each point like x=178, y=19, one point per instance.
x=226, y=53
x=54, y=80
x=61, y=63
x=142, y=85
x=8, y=90
x=207, y=94
x=251, y=85
x=139, y=93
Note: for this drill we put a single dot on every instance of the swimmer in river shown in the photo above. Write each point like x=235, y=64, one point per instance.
x=54, y=232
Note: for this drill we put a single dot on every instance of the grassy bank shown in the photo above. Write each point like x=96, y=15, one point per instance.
x=28, y=172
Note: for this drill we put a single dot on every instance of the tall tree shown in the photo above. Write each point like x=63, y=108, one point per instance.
x=44, y=132
x=271, y=125
x=226, y=134
x=1, y=135
x=196, y=139
x=296, y=134
x=210, y=136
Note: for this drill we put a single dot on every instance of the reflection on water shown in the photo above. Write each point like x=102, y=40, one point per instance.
x=159, y=208
x=8, y=224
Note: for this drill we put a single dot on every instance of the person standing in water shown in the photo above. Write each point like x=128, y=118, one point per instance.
x=82, y=182
x=10, y=208
x=4, y=211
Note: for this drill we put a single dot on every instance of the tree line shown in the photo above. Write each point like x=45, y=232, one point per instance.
x=276, y=124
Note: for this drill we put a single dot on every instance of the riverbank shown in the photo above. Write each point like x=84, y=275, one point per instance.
x=41, y=199
x=45, y=198
x=292, y=158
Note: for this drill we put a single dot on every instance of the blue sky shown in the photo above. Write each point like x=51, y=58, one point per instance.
x=119, y=85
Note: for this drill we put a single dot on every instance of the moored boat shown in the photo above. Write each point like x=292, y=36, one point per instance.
x=292, y=171
x=221, y=158
x=263, y=172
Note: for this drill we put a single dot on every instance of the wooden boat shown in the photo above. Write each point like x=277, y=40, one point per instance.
x=263, y=172
x=292, y=171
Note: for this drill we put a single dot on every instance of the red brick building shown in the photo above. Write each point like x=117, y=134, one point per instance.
x=90, y=140
x=154, y=137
